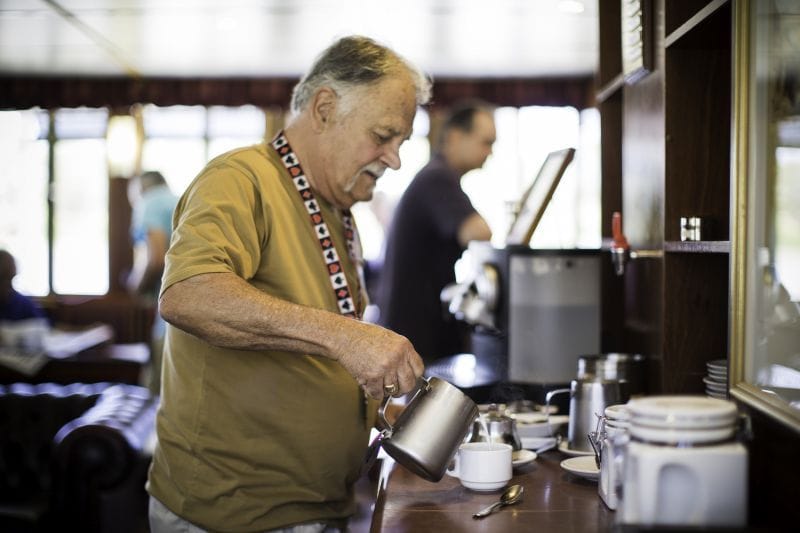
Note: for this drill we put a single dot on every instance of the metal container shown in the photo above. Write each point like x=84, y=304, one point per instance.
x=588, y=401
x=501, y=428
x=430, y=429
x=626, y=368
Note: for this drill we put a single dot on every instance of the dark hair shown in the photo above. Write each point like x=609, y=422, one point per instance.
x=353, y=61
x=462, y=116
x=151, y=178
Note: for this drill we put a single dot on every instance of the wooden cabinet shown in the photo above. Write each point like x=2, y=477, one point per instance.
x=697, y=123
x=666, y=155
x=668, y=149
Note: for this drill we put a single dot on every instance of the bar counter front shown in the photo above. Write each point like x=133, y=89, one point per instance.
x=553, y=500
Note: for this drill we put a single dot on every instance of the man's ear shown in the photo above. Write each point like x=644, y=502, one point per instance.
x=323, y=107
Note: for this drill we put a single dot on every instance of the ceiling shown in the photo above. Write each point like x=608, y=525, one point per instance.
x=265, y=38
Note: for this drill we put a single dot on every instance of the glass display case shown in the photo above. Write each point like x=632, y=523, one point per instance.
x=765, y=244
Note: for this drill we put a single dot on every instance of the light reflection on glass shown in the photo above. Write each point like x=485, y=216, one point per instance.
x=775, y=186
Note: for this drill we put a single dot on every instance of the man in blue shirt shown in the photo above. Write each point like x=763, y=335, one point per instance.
x=13, y=305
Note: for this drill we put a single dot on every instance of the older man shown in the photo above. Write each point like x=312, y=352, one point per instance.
x=269, y=377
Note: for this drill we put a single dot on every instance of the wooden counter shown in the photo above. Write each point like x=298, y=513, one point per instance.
x=554, y=500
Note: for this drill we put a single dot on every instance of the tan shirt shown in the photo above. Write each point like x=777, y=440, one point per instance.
x=251, y=440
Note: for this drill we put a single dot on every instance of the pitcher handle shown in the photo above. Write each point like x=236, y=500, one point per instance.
x=423, y=383
x=548, y=397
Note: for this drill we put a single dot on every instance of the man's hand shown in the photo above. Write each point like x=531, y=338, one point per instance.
x=378, y=358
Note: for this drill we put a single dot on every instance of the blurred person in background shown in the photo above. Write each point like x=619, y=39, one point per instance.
x=431, y=227
x=14, y=305
x=151, y=227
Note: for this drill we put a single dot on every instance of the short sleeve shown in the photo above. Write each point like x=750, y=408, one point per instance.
x=219, y=227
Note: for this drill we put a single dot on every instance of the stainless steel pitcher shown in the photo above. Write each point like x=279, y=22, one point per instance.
x=588, y=399
x=427, y=433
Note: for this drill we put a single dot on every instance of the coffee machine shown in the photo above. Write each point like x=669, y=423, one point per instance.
x=533, y=313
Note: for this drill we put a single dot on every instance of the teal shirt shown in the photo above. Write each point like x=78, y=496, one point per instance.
x=154, y=212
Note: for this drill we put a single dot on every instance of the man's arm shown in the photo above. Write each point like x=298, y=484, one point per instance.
x=474, y=228
x=226, y=311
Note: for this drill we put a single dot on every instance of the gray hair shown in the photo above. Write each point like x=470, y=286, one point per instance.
x=355, y=61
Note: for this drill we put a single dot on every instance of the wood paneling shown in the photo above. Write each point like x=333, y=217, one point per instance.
x=27, y=92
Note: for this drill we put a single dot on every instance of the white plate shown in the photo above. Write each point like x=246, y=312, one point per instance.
x=522, y=458
x=584, y=467
x=563, y=447
x=721, y=376
x=715, y=386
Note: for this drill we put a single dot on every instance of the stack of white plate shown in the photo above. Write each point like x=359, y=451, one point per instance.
x=716, y=379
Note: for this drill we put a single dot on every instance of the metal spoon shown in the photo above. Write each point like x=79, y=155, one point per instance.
x=512, y=495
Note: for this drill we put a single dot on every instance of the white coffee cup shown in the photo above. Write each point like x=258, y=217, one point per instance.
x=482, y=466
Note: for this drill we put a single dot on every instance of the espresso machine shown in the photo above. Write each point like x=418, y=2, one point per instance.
x=533, y=313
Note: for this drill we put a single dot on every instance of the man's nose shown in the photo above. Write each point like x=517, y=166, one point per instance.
x=391, y=156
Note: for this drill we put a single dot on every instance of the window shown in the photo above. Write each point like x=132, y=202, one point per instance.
x=64, y=224
x=524, y=138
x=23, y=196
x=174, y=143
x=180, y=140
x=78, y=196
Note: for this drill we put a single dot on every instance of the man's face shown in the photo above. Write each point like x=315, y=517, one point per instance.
x=365, y=140
x=475, y=146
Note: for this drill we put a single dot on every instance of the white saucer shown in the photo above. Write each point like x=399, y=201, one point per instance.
x=718, y=364
x=715, y=386
x=484, y=486
x=563, y=447
x=522, y=457
x=584, y=467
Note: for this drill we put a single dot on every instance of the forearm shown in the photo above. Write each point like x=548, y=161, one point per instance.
x=474, y=228
x=226, y=311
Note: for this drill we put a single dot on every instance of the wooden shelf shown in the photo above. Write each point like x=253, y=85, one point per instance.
x=609, y=89
x=697, y=102
x=714, y=247
x=698, y=18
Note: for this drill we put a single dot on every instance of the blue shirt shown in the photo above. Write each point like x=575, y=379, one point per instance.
x=153, y=212
x=20, y=307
